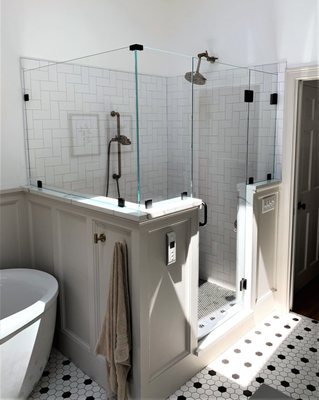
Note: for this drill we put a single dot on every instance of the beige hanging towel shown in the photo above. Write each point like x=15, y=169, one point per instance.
x=115, y=337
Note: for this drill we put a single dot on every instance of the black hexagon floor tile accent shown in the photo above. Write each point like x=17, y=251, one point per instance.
x=295, y=371
x=212, y=372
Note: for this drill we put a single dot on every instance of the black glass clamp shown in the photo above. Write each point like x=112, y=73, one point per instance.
x=136, y=46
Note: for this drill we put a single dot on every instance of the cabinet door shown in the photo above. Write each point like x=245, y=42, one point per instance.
x=103, y=261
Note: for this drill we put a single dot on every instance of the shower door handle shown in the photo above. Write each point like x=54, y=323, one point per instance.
x=205, y=215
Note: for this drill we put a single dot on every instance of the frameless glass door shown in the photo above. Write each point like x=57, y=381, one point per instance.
x=220, y=130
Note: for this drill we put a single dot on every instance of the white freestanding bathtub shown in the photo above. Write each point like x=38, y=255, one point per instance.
x=27, y=321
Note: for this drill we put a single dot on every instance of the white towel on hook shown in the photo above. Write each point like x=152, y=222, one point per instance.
x=115, y=337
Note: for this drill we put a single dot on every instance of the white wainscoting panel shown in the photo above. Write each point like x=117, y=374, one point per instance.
x=14, y=240
x=41, y=236
x=73, y=271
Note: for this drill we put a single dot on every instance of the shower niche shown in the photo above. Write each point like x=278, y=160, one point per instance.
x=142, y=124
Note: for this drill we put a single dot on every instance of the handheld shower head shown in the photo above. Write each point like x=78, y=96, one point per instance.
x=122, y=139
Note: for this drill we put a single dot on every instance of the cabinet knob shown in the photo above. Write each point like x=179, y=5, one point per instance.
x=99, y=238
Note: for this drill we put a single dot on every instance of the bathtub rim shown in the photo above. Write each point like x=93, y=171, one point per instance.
x=15, y=323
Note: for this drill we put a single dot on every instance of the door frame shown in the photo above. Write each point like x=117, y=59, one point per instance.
x=289, y=160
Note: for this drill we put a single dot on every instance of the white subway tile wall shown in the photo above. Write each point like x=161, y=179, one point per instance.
x=262, y=126
x=65, y=99
x=179, y=116
x=279, y=69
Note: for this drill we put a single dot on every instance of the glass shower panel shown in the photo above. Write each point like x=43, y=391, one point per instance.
x=81, y=124
x=165, y=125
x=262, y=125
x=220, y=130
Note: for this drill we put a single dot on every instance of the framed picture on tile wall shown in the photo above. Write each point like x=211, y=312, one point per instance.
x=85, y=134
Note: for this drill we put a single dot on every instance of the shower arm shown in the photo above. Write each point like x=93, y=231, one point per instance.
x=211, y=59
x=198, y=65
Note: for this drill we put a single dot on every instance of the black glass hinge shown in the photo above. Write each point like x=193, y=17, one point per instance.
x=26, y=97
x=243, y=284
x=273, y=98
x=249, y=96
x=148, y=203
x=136, y=47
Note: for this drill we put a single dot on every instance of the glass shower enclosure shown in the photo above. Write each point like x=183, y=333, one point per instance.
x=106, y=125
x=127, y=124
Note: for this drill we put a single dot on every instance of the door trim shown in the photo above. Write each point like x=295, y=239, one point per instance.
x=286, y=208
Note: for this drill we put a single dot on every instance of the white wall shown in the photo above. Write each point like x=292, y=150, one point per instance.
x=242, y=32
x=59, y=30
x=249, y=31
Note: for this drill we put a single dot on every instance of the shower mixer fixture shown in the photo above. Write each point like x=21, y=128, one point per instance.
x=121, y=140
x=196, y=77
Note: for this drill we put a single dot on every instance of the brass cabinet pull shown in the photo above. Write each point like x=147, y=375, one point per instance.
x=101, y=238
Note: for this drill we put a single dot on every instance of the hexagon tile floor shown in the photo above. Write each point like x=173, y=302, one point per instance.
x=61, y=380
x=281, y=351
